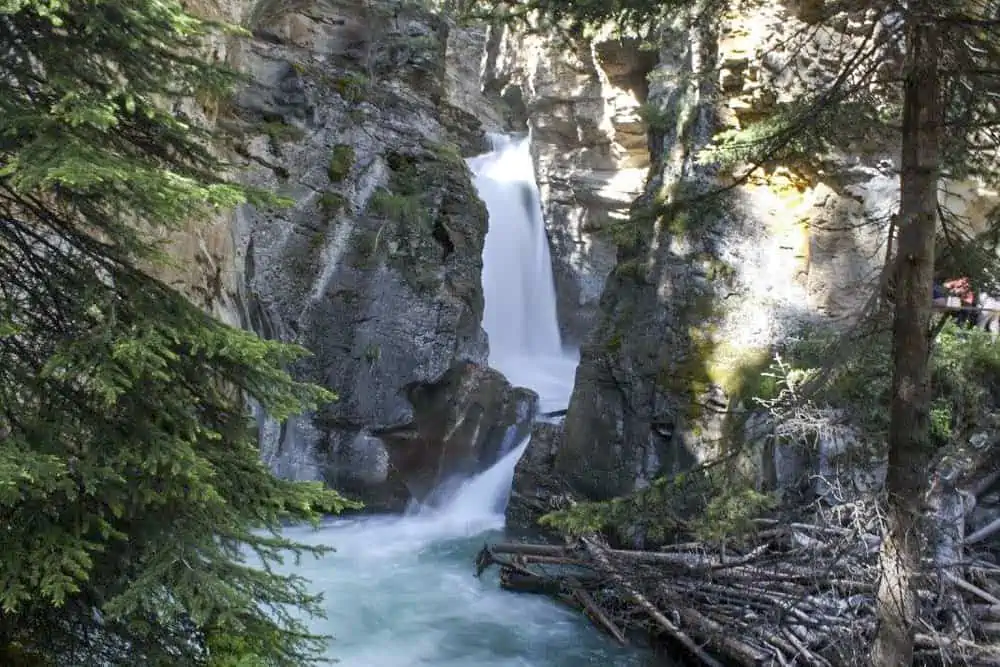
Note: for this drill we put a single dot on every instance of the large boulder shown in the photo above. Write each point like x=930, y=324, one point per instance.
x=463, y=423
x=537, y=489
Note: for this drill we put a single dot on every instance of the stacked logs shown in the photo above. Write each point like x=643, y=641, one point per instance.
x=791, y=593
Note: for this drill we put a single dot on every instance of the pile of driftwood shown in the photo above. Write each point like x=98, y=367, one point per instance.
x=790, y=593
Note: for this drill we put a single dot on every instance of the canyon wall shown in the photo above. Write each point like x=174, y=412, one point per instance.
x=701, y=298
x=374, y=265
x=361, y=113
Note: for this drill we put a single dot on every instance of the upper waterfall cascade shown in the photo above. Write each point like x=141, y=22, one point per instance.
x=520, y=317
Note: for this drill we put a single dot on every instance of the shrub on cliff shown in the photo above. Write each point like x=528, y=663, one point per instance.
x=131, y=489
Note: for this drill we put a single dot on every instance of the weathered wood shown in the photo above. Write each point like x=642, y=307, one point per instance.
x=654, y=613
x=597, y=615
x=990, y=611
x=767, y=600
x=522, y=548
x=519, y=582
x=984, y=533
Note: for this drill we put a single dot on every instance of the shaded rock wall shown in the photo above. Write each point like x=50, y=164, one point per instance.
x=375, y=263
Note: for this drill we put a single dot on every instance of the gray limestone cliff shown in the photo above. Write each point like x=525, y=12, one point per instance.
x=360, y=113
x=375, y=263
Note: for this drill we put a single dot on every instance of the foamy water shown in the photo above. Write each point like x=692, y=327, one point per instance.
x=401, y=591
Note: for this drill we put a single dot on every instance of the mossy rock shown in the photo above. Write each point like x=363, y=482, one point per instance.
x=739, y=370
x=317, y=241
x=352, y=87
x=402, y=208
x=636, y=270
x=614, y=343
x=422, y=209
x=332, y=203
x=280, y=131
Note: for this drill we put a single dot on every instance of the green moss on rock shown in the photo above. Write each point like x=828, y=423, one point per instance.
x=332, y=203
x=280, y=131
x=341, y=162
x=352, y=87
x=633, y=269
x=426, y=204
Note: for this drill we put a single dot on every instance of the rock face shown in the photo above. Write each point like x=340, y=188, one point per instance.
x=374, y=265
x=360, y=113
x=463, y=423
x=537, y=489
x=701, y=296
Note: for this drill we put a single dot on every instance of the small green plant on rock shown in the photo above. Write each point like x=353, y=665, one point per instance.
x=633, y=269
x=281, y=131
x=332, y=203
x=365, y=247
x=352, y=87
x=448, y=151
x=614, y=343
x=656, y=118
x=341, y=162
x=396, y=207
x=317, y=241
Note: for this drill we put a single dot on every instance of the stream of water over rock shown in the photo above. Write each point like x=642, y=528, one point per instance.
x=400, y=590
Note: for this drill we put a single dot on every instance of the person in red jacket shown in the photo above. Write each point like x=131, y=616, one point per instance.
x=962, y=288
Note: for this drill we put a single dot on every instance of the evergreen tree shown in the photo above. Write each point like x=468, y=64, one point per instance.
x=131, y=488
x=910, y=448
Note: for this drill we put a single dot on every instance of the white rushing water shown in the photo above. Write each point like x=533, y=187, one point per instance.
x=400, y=591
x=520, y=293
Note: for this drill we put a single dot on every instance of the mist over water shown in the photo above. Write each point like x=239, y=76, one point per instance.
x=400, y=591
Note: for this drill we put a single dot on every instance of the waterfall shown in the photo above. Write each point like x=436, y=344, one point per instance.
x=520, y=320
x=399, y=590
x=520, y=317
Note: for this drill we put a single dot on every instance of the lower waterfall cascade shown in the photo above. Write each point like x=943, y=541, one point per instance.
x=400, y=591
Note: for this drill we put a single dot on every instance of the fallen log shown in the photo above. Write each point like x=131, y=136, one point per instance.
x=984, y=533
x=649, y=608
x=598, y=616
x=716, y=636
x=525, y=549
x=772, y=597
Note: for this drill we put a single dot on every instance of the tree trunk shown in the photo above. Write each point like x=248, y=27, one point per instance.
x=910, y=449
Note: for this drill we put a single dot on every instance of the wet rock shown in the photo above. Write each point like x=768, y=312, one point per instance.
x=462, y=424
x=374, y=266
x=537, y=488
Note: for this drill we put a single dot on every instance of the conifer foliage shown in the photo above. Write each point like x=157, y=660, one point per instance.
x=130, y=477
